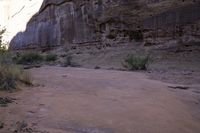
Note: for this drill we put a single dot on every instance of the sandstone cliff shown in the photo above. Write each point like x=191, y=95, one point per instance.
x=108, y=22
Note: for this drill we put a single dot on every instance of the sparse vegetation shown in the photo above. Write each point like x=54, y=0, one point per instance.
x=2, y=46
x=111, y=36
x=1, y=125
x=133, y=62
x=4, y=101
x=68, y=61
x=51, y=57
x=30, y=58
x=97, y=67
x=10, y=74
x=136, y=35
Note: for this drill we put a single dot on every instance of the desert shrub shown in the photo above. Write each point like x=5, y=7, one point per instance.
x=30, y=58
x=97, y=67
x=136, y=35
x=51, y=57
x=7, y=78
x=5, y=57
x=111, y=36
x=136, y=62
x=68, y=61
x=2, y=31
x=11, y=76
x=25, y=78
x=1, y=125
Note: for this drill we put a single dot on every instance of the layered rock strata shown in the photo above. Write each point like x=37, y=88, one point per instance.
x=105, y=23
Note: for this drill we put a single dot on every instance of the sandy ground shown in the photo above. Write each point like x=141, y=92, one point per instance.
x=79, y=100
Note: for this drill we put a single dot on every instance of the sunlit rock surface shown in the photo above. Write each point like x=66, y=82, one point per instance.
x=14, y=15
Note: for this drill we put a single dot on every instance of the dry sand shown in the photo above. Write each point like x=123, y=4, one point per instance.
x=78, y=100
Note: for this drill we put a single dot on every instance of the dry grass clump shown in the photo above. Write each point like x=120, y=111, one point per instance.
x=11, y=75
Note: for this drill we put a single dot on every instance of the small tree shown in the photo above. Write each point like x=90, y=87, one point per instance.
x=2, y=31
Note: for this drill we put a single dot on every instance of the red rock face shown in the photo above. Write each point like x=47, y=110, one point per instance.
x=103, y=22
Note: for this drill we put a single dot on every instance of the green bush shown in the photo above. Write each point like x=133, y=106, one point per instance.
x=51, y=57
x=136, y=62
x=29, y=58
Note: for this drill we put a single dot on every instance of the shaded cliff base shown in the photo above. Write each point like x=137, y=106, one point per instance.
x=174, y=62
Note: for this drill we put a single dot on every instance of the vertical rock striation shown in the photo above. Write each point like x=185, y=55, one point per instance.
x=68, y=22
x=101, y=22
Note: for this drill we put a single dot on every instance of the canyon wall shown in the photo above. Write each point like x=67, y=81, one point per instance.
x=178, y=23
x=104, y=23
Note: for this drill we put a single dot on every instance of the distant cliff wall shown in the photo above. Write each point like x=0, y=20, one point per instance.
x=174, y=23
x=102, y=22
x=66, y=22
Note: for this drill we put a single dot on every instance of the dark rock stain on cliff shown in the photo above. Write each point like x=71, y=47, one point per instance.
x=104, y=22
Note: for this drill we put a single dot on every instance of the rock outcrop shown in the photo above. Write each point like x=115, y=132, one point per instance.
x=75, y=23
